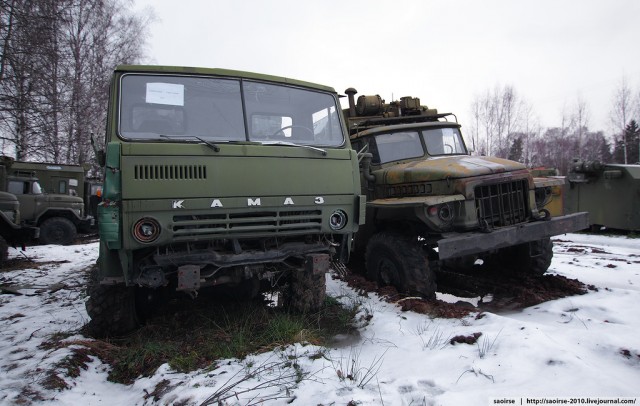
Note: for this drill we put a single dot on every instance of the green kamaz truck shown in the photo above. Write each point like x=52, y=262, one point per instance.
x=431, y=205
x=220, y=178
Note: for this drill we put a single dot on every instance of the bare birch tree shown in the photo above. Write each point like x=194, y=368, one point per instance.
x=57, y=59
x=580, y=123
x=621, y=112
x=497, y=115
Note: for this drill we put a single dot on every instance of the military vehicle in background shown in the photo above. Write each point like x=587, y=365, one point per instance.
x=53, y=178
x=219, y=178
x=11, y=231
x=431, y=204
x=59, y=216
x=92, y=197
x=610, y=193
x=65, y=180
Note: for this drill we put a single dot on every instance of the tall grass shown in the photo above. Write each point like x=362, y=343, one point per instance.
x=194, y=334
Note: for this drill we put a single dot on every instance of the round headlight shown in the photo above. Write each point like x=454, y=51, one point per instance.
x=445, y=213
x=338, y=220
x=146, y=230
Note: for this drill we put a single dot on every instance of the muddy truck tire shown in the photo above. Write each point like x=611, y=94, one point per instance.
x=306, y=292
x=400, y=261
x=307, y=287
x=112, y=309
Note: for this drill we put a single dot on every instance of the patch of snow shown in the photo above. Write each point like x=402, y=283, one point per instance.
x=573, y=346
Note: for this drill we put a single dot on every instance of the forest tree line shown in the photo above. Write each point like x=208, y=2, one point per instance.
x=56, y=60
x=504, y=125
x=57, y=57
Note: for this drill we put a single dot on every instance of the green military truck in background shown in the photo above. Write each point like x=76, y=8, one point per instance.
x=431, y=205
x=11, y=231
x=59, y=216
x=64, y=179
x=608, y=192
x=220, y=178
x=54, y=178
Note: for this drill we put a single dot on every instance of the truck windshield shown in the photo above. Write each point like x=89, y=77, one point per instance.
x=399, y=145
x=444, y=141
x=165, y=107
x=406, y=144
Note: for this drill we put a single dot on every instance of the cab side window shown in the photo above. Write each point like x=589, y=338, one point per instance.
x=18, y=188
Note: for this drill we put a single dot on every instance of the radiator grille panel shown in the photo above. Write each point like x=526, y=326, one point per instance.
x=268, y=223
x=502, y=204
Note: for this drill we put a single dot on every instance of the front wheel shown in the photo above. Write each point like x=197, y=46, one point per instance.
x=398, y=260
x=532, y=258
x=57, y=230
x=112, y=308
x=306, y=291
x=4, y=250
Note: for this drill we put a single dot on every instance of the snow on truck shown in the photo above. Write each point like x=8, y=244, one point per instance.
x=220, y=178
x=431, y=205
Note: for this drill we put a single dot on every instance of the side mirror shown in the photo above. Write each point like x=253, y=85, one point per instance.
x=100, y=155
x=364, y=152
x=365, y=166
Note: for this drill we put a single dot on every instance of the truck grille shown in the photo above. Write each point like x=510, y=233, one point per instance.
x=502, y=204
x=253, y=224
x=169, y=172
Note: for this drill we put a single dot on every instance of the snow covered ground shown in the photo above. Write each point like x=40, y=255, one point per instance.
x=576, y=347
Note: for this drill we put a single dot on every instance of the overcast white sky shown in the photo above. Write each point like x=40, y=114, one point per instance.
x=445, y=52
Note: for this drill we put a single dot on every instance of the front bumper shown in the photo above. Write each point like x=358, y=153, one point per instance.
x=460, y=244
x=86, y=224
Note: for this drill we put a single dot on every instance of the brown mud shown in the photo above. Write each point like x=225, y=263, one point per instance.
x=498, y=290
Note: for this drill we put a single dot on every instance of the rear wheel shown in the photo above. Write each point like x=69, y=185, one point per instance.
x=57, y=230
x=398, y=260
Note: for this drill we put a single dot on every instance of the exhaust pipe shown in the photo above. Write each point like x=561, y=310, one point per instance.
x=351, y=92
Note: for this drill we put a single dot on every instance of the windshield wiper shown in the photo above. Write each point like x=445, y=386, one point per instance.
x=211, y=145
x=291, y=144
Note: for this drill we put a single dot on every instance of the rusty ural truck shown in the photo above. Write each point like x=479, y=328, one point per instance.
x=431, y=205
